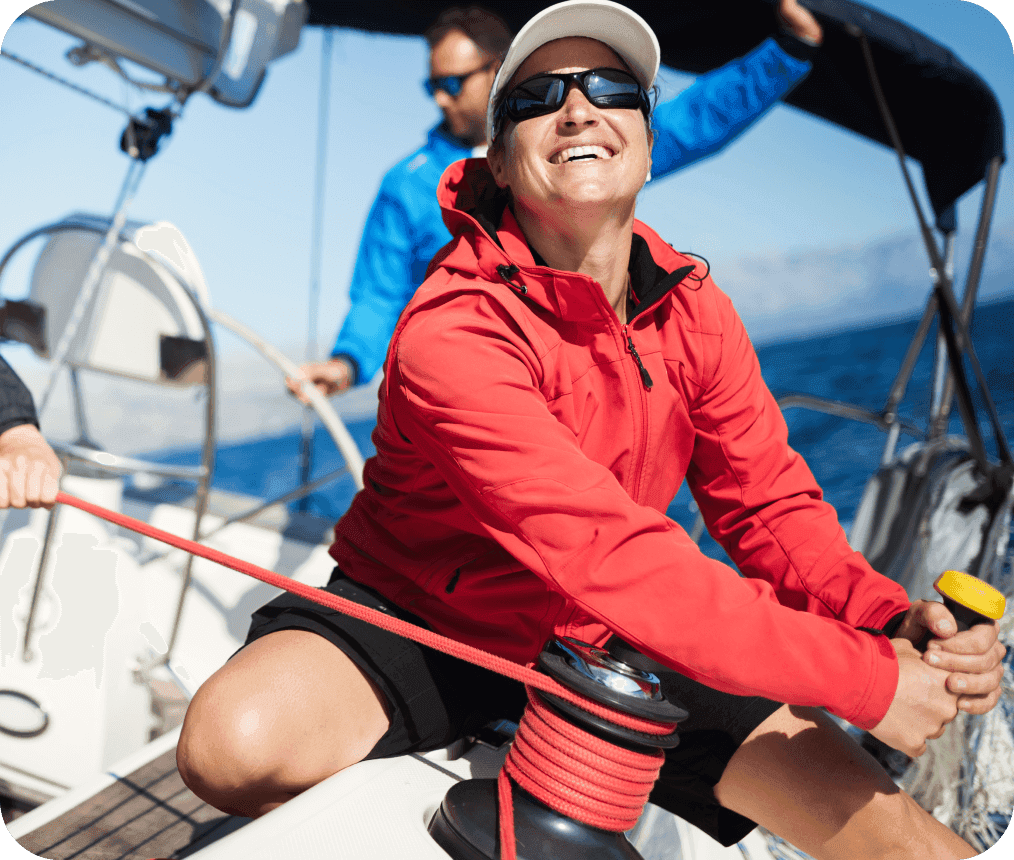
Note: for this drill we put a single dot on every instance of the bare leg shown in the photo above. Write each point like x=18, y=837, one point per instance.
x=285, y=713
x=800, y=776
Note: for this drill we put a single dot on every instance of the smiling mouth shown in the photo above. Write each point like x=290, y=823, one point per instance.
x=581, y=153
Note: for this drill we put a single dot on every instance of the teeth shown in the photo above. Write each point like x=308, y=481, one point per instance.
x=575, y=152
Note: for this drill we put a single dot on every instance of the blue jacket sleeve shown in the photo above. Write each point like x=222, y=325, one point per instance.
x=721, y=104
x=382, y=284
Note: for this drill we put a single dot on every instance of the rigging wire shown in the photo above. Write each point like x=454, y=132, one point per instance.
x=316, y=250
x=93, y=276
x=128, y=190
x=70, y=85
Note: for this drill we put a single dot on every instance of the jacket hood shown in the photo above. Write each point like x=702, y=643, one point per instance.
x=473, y=205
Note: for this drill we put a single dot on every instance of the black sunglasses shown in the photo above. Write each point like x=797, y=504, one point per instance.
x=545, y=94
x=451, y=84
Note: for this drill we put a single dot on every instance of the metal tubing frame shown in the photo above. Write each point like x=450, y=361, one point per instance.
x=952, y=323
x=117, y=464
x=847, y=410
x=122, y=465
x=27, y=654
x=939, y=420
x=332, y=422
x=300, y=492
x=940, y=365
x=204, y=483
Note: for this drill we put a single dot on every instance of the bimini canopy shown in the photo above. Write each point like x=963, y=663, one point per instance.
x=947, y=117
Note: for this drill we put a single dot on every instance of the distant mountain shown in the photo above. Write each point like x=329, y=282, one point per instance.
x=783, y=295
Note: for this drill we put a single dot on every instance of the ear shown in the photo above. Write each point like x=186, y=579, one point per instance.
x=651, y=143
x=496, y=160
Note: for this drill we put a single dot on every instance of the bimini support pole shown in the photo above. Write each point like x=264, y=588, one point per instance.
x=954, y=328
x=941, y=415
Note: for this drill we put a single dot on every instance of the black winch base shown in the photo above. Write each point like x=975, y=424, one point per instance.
x=466, y=827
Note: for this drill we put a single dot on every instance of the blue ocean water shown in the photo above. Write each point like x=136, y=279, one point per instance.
x=854, y=365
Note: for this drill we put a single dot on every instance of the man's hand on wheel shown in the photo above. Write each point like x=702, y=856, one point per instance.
x=330, y=377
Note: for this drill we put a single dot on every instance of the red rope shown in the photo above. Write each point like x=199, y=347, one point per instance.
x=573, y=772
x=568, y=769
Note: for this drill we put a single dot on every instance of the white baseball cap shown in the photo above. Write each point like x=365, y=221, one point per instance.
x=626, y=32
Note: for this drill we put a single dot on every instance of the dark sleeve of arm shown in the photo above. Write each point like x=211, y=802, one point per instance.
x=723, y=103
x=16, y=406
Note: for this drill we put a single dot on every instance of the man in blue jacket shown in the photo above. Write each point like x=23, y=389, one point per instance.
x=405, y=229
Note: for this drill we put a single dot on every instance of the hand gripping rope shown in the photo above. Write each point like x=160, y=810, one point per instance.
x=572, y=770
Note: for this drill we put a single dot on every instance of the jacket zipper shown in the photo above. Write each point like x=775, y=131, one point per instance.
x=645, y=376
x=636, y=474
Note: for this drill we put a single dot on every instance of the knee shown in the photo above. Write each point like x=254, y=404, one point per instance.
x=224, y=756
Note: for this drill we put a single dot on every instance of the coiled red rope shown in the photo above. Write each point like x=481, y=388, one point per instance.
x=574, y=772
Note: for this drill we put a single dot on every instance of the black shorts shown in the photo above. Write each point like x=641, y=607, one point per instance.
x=434, y=699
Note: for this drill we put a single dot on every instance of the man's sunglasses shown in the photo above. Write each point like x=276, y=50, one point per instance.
x=545, y=94
x=451, y=84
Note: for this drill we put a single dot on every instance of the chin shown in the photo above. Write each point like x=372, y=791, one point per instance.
x=595, y=192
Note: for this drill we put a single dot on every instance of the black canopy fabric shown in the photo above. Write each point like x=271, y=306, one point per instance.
x=946, y=115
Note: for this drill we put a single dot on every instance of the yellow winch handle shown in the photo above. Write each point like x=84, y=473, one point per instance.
x=969, y=599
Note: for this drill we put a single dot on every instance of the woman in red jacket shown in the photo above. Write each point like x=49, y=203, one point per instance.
x=554, y=380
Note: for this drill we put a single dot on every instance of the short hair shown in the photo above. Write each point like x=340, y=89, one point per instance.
x=490, y=34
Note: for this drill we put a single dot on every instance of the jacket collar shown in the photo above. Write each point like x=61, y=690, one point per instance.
x=472, y=205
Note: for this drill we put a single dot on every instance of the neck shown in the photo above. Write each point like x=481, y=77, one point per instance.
x=468, y=141
x=596, y=247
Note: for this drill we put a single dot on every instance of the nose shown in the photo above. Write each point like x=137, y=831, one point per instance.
x=577, y=110
x=442, y=99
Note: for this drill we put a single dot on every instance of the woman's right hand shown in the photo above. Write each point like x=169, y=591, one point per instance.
x=29, y=470
x=330, y=377
x=922, y=705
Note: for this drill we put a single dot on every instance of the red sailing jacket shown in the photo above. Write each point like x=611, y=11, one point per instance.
x=528, y=445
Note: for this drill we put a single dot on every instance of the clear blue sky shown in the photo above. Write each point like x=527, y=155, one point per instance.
x=239, y=183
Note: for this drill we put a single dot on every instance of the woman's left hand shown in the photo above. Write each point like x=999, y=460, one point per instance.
x=974, y=657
